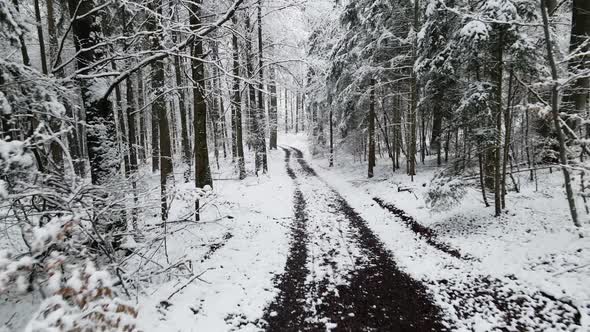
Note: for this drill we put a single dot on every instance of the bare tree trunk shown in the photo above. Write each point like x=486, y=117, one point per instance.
x=99, y=112
x=580, y=32
x=297, y=113
x=273, y=112
x=556, y=119
x=23, y=46
x=41, y=39
x=331, y=136
x=508, y=130
x=254, y=113
x=497, y=75
x=159, y=108
x=202, y=168
x=142, y=133
x=286, y=112
x=414, y=99
x=155, y=136
x=481, y=178
x=184, y=140
x=132, y=146
x=237, y=104
x=261, y=136
x=56, y=149
x=371, y=121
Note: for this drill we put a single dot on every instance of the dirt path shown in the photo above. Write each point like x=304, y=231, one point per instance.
x=339, y=276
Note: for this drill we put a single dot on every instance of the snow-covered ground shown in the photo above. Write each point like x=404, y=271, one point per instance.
x=237, y=280
x=526, y=270
x=532, y=250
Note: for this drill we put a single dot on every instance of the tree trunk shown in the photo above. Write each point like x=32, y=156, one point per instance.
x=155, y=134
x=556, y=119
x=254, y=120
x=142, y=132
x=99, y=113
x=273, y=112
x=435, y=142
x=508, y=131
x=202, y=169
x=497, y=74
x=132, y=146
x=331, y=124
x=40, y=36
x=56, y=149
x=297, y=113
x=21, y=38
x=414, y=99
x=184, y=140
x=236, y=103
x=371, y=121
x=261, y=135
x=286, y=111
x=580, y=32
x=159, y=108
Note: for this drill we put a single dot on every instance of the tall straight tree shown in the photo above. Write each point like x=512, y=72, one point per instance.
x=159, y=108
x=273, y=111
x=236, y=103
x=202, y=170
x=371, y=125
x=260, y=116
x=41, y=38
x=252, y=107
x=580, y=33
x=178, y=70
x=100, y=137
x=555, y=115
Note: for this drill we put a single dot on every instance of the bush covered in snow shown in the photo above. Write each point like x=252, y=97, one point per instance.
x=444, y=192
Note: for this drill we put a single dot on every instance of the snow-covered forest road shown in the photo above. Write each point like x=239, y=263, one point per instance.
x=340, y=276
x=294, y=165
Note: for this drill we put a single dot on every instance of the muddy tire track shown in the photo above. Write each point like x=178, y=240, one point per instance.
x=424, y=232
x=288, y=309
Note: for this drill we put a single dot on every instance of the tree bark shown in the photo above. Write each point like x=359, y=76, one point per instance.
x=497, y=74
x=99, y=113
x=371, y=121
x=40, y=36
x=261, y=135
x=236, y=104
x=414, y=98
x=184, y=139
x=556, y=119
x=254, y=120
x=273, y=112
x=580, y=32
x=202, y=169
x=159, y=108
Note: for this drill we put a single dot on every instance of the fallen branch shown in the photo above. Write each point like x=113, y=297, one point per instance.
x=198, y=276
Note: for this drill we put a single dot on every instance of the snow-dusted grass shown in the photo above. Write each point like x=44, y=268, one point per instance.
x=238, y=278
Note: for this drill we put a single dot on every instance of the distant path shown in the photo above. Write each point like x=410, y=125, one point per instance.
x=339, y=276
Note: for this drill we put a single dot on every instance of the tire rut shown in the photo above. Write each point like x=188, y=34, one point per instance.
x=424, y=232
x=287, y=311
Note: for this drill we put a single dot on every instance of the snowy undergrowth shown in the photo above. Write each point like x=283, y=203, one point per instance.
x=247, y=226
x=532, y=251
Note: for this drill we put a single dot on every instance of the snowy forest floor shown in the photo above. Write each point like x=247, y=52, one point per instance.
x=308, y=247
